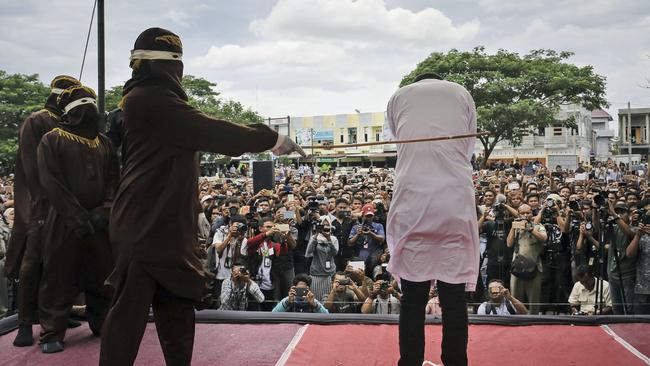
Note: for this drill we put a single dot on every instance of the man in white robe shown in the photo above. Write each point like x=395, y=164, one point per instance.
x=432, y=225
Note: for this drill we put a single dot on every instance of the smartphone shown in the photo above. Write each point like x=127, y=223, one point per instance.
x=290, y=197
x=289, y=215
x=357, y=265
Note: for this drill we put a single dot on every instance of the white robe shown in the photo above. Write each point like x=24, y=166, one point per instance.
x=432, y=230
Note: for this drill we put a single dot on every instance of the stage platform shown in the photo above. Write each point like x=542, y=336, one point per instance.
x=233, y=338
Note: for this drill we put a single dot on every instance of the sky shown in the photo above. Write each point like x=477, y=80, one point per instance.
x=315, y=57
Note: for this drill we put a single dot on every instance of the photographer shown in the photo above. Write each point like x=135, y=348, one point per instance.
x=227, y=245
x=236, y=290
x=300, y=299
x=556, y=259
x=283, y=269
x=369, y=235
x=263, y=250
x=528, y=239
x=382, y=300
x=342, y=227
x=639, y=249
x=496, y=253
x=583, y=294
x=322, y=248
x=344, y=296
x=501, y=302
x=621, y=269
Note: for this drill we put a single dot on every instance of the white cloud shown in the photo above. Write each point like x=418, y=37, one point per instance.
x=179, y=17
x=499, y=6
x=361, y=22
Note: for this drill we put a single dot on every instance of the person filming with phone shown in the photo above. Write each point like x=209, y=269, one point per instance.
x=528, y=240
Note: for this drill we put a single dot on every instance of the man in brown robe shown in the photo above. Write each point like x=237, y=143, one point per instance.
x=155, y=243
x=24, y=249
x=79, y=173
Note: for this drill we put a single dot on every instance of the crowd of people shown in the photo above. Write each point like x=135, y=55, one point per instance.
x=552, y=241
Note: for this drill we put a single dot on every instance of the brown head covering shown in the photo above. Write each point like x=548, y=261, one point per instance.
x=59, y=83
x=80, y=114
x=156, y=61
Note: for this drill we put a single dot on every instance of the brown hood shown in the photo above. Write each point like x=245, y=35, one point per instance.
x=82, y=120
x=165, y=73
x=59, y=82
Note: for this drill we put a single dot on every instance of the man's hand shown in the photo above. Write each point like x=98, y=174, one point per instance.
x=286, y=146
x=506, y=293
x=311, y=298
x=292, y=295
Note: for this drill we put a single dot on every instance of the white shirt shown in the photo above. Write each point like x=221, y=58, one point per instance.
x=586, y=299
x=223, y=272
x=432, y=231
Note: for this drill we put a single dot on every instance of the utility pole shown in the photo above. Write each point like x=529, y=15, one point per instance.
x=100, y=60
x=629, y=138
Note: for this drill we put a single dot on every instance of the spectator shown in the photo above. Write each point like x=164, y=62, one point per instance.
x=433, y=305
x=382, y=300
x=621, y=269
x=501, y=302
x=583, y=295
x=345, y=295
x=229, y=247
x=528, y=239
x=369, y=235
x=342, y=226
x=300, y=299
x=322, y=248
x=237, y=289
x=639, y=248
x=5, y=232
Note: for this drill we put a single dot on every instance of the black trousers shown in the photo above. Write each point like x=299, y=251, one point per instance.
x=454, y=323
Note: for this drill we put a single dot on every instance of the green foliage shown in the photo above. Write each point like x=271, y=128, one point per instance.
x=20, y=95
x=8, y=151
x=112, y=97
x=515, y=95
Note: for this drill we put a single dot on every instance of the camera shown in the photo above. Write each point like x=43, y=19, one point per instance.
x=589, y=226
x=600, y=199
x=345, y=282
x=301, y=294
x=383, y=286
x=243, y=271
x=574, y=205
x=646, y=220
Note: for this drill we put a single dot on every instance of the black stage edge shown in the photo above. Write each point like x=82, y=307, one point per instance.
x=10, y=323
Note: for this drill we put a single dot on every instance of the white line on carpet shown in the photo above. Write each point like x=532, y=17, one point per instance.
x=624, y=343
x=292, y=345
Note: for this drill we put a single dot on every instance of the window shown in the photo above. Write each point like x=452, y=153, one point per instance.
x=352, y=135
x=557, y=131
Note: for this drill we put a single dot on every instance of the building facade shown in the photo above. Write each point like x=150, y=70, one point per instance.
x=634, y=131
x=603, y=135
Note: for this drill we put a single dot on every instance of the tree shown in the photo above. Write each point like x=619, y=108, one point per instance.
x=20, y=95
x=516, y=95
x=8, y=151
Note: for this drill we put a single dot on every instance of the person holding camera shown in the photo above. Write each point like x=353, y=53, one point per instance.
x=344, y=296
x=300, y=299
x=501, y=302
x=382, y=300
x=283, y=269
x=528, y=240
x=263, y=250
x=322, y=248
x=639, y=249
x=237, y=289
x=583, y=295
x=369, y=235
x=228, y=244
x=621, y=269
x=342, y=226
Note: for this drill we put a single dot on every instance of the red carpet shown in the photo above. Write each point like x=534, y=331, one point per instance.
x=365, y=345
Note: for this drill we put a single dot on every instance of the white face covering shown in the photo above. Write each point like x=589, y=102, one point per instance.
x=78, y=102
x=155, y=55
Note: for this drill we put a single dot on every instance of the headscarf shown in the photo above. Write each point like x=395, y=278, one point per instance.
x=156, y=61
x=80, y=114
x=57, y=86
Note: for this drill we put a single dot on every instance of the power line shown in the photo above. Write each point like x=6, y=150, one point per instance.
x=90, y=27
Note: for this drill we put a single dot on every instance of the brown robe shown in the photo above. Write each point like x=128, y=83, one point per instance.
x=27, y=190
x=80, y=178
x=154, y=220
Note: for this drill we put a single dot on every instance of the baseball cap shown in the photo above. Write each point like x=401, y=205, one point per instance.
x=206, y=198
x=368, y=209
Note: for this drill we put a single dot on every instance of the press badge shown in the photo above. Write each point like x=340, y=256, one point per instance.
x=328, y=264
x=267, y=262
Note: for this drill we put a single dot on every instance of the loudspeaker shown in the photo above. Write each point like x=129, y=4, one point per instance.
x=263, y=177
